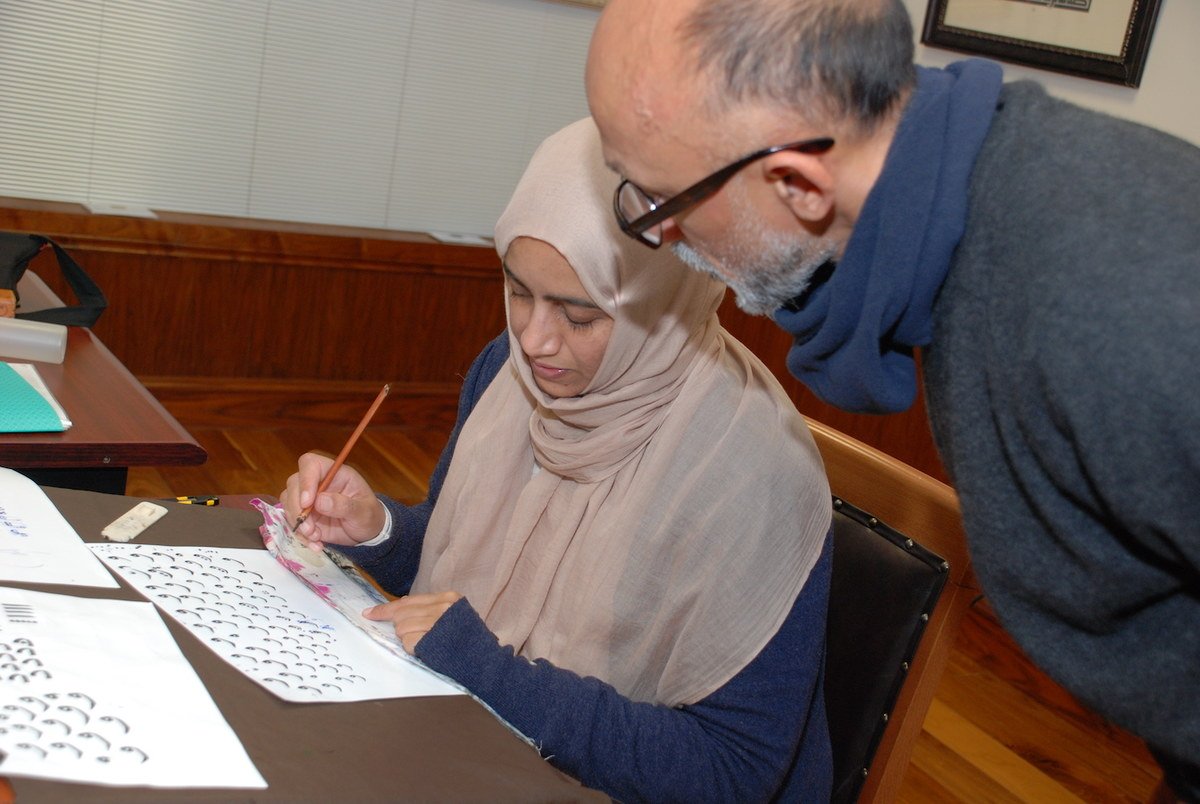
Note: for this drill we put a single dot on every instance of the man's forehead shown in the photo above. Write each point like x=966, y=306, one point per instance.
x=613, y=162
x=635, y=79
x=632, y=155
x=626, y=124
x=612, y=146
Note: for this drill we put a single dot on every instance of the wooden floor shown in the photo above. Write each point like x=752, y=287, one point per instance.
x=998, y=730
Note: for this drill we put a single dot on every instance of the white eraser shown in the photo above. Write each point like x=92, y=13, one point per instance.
x=134, y=521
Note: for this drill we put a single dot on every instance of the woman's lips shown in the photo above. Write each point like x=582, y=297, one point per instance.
x=546, y=372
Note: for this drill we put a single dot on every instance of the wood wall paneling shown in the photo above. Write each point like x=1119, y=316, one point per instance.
x=227, y=319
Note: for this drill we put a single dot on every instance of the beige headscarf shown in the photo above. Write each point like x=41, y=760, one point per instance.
x=680, y=502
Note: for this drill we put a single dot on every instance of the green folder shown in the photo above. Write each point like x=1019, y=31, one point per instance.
x=22, y=408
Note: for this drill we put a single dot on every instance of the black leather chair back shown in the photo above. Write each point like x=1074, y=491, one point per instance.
x=883, y=591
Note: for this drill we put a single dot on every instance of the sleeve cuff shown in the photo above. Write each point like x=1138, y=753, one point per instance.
x=458, y=644
x=385, y=532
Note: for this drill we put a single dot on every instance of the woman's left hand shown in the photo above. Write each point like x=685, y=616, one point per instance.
x=412, y=616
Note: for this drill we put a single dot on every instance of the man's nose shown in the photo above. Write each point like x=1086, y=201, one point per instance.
x=671, y=233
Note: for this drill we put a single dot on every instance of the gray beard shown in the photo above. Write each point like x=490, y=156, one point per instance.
x=764, y=282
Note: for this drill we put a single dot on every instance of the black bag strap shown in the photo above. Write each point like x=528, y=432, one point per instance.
x=16, y=250
x=91, y=299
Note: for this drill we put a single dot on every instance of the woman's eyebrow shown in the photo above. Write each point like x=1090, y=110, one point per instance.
x=508, y=272
x=571, y=300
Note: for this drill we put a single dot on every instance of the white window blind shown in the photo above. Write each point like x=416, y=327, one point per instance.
x=405, y=114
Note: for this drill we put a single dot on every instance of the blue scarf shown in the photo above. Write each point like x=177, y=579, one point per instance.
x=856, y=331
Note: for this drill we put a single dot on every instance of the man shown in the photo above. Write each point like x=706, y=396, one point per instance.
x=1046, y=257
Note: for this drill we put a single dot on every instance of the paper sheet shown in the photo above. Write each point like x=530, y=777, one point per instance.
x=340, y=584
x=36, y=544
x=331, y=576
x=28, y=372
x=265, y=622
x=26, y=404
x=97, y=691
x=461, y=238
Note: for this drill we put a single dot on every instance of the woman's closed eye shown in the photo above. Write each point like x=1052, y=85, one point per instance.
x=579, y=319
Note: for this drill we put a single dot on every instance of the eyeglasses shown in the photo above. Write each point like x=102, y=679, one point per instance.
x=641, y=218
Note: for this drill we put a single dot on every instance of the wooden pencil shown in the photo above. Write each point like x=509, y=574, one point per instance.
x=341, y=458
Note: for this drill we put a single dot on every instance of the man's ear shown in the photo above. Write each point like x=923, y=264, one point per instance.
x=803, y=182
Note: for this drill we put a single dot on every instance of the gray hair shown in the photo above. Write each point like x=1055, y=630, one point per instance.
x=828, y=60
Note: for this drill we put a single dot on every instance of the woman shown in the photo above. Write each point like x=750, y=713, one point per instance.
x=625, y=548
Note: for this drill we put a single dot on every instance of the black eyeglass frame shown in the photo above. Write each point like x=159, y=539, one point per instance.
x=699, y=191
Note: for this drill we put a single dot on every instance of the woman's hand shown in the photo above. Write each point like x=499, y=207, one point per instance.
x=347, y=513
x=414, y=615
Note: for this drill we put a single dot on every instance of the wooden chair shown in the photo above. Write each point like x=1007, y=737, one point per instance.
x=895, y=608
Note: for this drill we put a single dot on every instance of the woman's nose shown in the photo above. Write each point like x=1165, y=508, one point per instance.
x=540, y=336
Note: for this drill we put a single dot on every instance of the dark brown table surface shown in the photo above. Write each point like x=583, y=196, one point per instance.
x=404, y=749
x=116, y=422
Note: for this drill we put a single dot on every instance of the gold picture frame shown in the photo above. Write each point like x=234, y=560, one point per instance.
x=1106, y=40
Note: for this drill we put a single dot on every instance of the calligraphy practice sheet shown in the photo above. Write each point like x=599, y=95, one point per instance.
x=264, y=621
x=97, y=691
x=36, y=544
x=338, y=582
x=331, y=576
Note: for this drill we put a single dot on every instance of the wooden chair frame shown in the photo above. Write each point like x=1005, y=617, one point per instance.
x=927, y=510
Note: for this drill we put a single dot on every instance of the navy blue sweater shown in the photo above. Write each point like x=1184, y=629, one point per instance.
x=762, y=736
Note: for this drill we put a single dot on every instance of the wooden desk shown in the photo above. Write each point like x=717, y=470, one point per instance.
x=116, y=422
x=407, y=749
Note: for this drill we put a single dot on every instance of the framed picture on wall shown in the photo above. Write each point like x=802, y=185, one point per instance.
x=1102, y=39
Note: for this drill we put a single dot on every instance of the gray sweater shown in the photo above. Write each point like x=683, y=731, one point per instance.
x=1063, y=383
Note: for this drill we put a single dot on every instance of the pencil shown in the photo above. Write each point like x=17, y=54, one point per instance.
x=341, y=458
